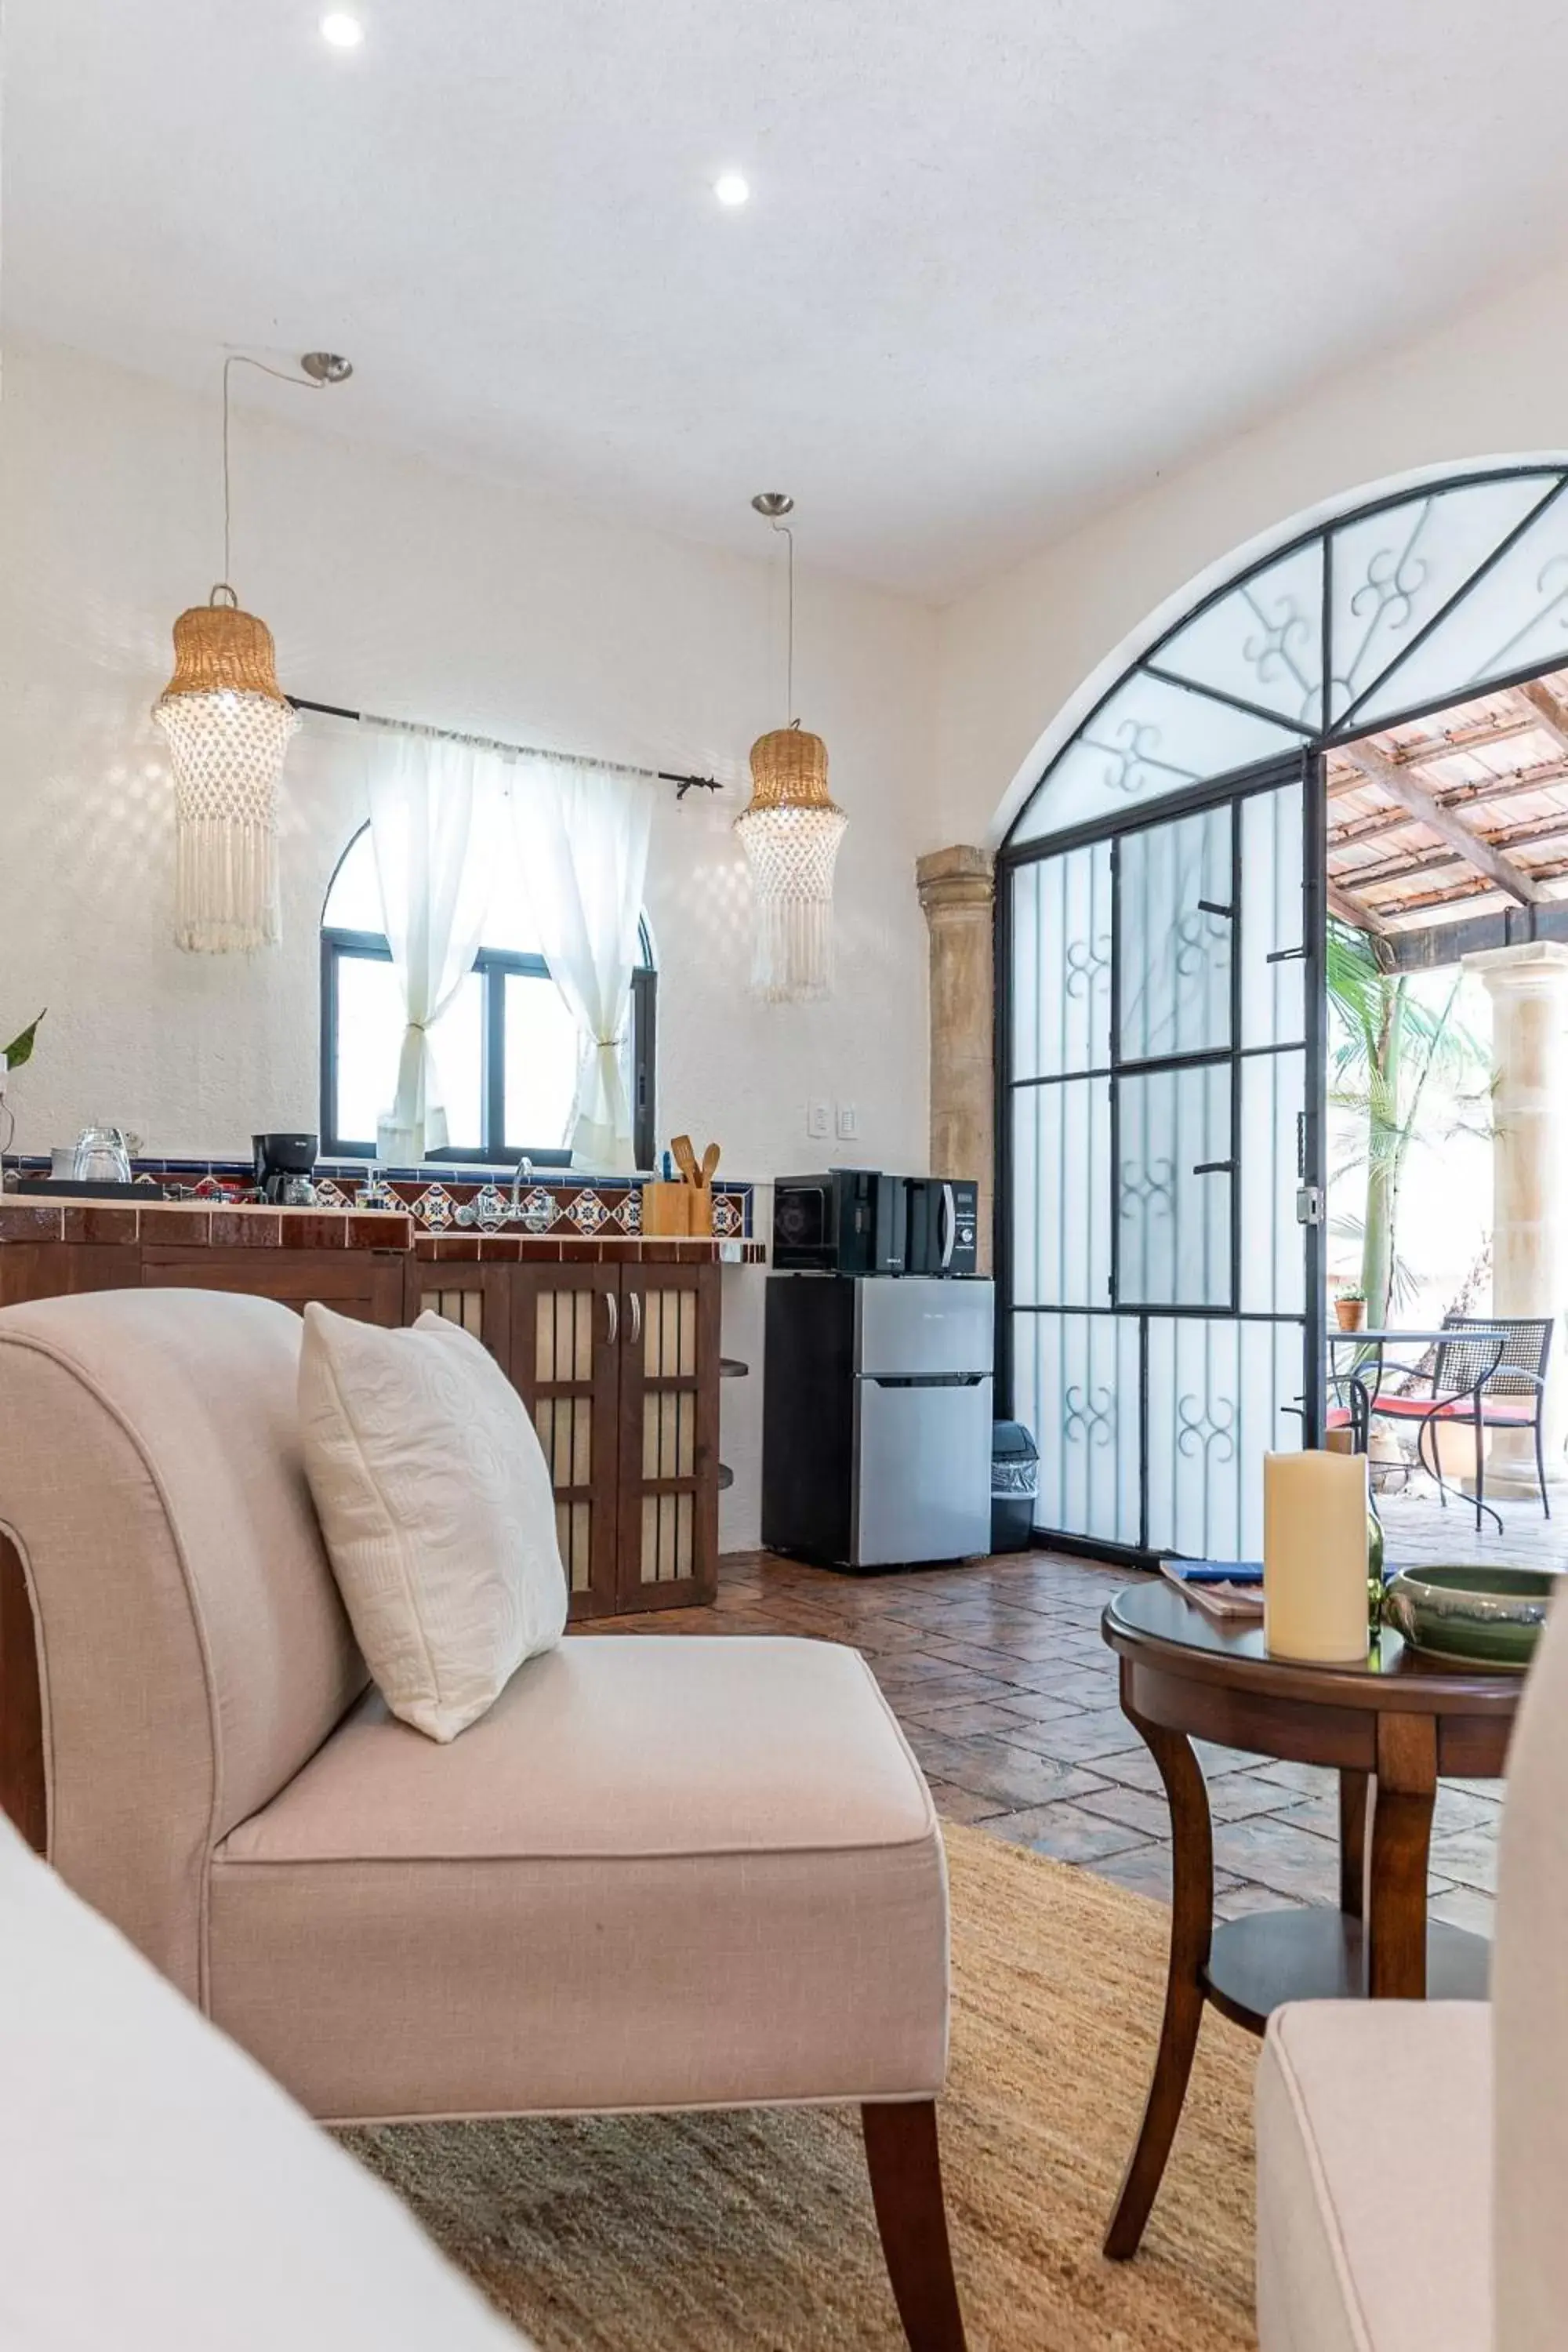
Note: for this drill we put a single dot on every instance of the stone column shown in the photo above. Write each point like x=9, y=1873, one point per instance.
x=957, y=891
x=1529, y=1170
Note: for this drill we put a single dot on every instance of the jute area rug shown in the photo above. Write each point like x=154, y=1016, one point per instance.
x=736, y=2232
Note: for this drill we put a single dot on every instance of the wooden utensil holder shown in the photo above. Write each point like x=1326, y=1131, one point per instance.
x=666, y=1210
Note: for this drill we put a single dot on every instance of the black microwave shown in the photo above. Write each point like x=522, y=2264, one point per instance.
x=849, y=1221
x=941, y=1224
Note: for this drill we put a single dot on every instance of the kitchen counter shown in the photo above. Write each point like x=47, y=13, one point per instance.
x=612, y=1342
x=195, y=1225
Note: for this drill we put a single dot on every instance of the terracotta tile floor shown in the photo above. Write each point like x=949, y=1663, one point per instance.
x=1007, y=1694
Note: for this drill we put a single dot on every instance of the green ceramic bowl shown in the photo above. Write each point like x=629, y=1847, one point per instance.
x=1487, y=1616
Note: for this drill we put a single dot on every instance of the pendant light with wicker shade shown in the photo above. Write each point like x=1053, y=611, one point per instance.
x=227, y=722
x=791, y=831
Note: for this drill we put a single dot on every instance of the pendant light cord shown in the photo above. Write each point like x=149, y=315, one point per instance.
x=243, y=358
x=789, y=635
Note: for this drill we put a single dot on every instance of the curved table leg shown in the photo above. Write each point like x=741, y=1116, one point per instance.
x=1192, y=1919
x=1404, y=1792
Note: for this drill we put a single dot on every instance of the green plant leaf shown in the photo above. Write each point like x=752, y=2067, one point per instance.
x=20, y=1049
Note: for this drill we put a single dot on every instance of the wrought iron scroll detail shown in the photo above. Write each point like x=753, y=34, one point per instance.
x=1088, y=1415
x=1149, y=1190
x=1554, y=571
x=1208, y=1430
x=1274, y=650
x=1133, y=761
x=1088, y=963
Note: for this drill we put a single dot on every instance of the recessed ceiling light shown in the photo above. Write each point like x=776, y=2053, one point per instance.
x=730, y=189
x=342, y=30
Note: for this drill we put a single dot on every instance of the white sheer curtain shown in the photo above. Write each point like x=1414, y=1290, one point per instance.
x=435, y=818
x=583, y=836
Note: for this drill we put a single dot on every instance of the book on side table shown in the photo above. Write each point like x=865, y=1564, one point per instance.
x=1225, y=1588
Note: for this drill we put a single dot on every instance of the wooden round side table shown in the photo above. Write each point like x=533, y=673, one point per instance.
x=1390, y=1726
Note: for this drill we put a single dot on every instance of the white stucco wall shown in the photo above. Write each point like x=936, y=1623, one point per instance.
x=392, y=586
x=1013, y=652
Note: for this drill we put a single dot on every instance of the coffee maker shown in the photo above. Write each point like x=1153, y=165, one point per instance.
x=284, y=1168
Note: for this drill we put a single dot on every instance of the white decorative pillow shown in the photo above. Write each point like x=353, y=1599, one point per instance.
x=437, y=1509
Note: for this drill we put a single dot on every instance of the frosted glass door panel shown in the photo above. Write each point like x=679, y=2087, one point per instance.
x=1061, y=964
x=1076, y=1378
x=1219, y=1399
x=1174, y=952
x=1273, y=1097
x=1273, y=919
x=1061, y=1180
x=1173, y=1180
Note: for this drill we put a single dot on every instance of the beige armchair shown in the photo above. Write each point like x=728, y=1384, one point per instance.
x=1413, y=2155
x=661, y=1873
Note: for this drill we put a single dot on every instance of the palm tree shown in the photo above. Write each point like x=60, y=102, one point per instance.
x=1391, y=1058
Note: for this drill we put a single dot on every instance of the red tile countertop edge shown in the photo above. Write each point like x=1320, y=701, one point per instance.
x=113, y=1224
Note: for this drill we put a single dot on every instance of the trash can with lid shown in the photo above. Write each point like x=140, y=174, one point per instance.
x=1014, y=1482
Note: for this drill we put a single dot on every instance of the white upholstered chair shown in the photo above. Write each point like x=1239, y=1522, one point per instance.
x=660, y=1873
x=158, y=2193
x=1412, y=2156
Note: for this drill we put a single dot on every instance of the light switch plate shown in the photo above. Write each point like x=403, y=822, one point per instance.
x=849, y=1123
x=819, y=1118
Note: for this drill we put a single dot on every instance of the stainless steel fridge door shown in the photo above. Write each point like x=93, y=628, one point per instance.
x=922, y=1482
x=909, y=1325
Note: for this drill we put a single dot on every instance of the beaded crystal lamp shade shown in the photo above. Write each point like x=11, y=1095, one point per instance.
x=227, y=724
x=790, y=831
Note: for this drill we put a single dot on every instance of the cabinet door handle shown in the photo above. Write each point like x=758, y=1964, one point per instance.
x=635, y=1302
x=614, y=1331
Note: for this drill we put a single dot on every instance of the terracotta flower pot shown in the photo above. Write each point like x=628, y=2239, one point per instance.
x=1350, y=1313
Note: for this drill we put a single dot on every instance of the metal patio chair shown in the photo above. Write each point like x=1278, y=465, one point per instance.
x=1492, y=1374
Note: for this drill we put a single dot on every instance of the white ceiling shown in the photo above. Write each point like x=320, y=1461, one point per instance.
x=1005, y=261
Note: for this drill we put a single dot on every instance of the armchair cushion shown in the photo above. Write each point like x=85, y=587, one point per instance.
x=658, y=1874
x=1374, y=2178
x=437, y=1511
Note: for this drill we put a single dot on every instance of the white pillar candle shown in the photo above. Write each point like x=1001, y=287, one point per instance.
x=1314, y=1557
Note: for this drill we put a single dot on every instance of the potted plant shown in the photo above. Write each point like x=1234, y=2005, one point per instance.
x=12, y=1057
x=1349, y=1309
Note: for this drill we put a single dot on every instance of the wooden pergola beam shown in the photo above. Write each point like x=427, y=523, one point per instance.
x=1518, y=784
x=1548, y=715
x=1473, y=738
x=1352, y=911
x=1404, y=790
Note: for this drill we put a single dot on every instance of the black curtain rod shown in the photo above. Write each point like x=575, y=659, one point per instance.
x=683, y=784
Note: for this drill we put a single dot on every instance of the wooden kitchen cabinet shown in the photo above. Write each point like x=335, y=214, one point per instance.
x=567, y=1355
x=476, y=1297
x=668, y=1551
x=616, y=1360
x=366, y=1284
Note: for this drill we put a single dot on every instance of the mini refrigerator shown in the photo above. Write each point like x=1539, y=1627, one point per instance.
x=877, y=1409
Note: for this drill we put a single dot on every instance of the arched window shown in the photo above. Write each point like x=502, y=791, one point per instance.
x=507, y=1045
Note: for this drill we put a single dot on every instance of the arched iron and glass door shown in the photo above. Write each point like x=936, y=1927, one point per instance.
x=1160, y=920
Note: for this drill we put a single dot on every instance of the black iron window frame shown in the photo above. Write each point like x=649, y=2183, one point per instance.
x=1307, y=769
x=1315, y=735
x=494, y=966
x=1356, y=718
